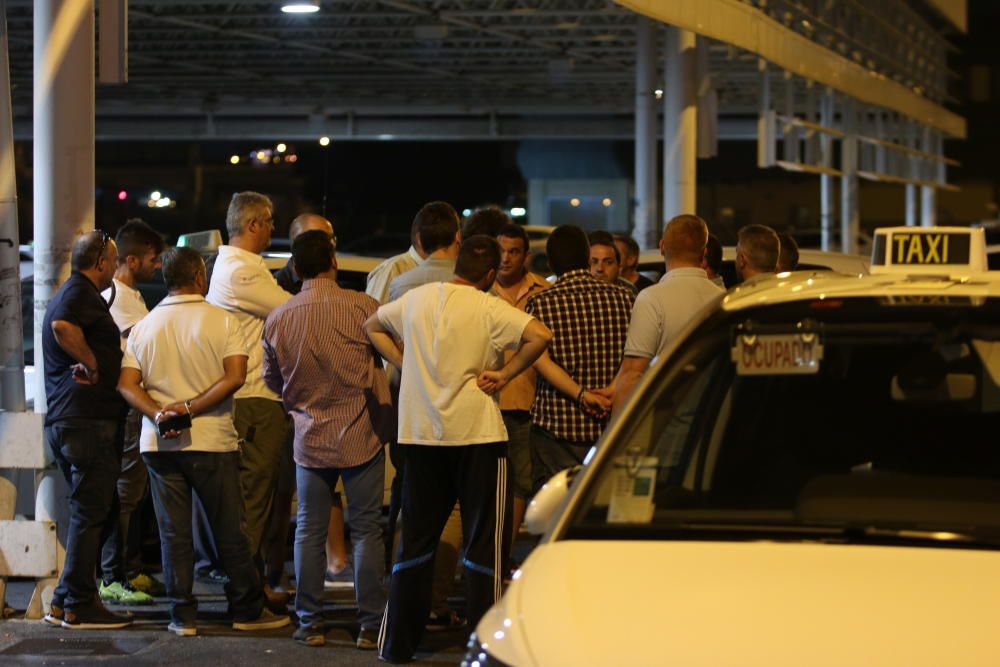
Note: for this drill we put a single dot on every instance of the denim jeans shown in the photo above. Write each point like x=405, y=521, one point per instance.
x=215, y=478
x=121, y=555
x=88, y=452
x=364, y=487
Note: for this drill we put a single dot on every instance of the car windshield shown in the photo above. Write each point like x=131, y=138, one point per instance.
x=854, y=419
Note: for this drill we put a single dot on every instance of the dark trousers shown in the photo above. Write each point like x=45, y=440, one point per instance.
x=215, y=478
x=119, y=564
x=550, y=455
x=88, y=452
x=434, y=478
x=205, y=553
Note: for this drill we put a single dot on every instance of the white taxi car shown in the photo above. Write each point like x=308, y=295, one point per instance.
x=811, y=476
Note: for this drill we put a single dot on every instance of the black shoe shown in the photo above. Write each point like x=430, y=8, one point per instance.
x=309, y=635
x=367, y=639
x=94, y=617
x=445, y=621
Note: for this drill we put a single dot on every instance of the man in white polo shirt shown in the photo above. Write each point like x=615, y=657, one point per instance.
x=661, y=311
x=242, y=284
x=454, y=335
x=186, y=359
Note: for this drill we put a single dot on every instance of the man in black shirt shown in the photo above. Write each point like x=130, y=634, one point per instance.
x=82, y=352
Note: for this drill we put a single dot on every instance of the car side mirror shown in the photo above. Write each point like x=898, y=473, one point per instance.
x=547, y=501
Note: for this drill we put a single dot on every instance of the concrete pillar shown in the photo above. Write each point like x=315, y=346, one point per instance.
x=928, y=193
x=850, y=222
x=826, y=195
x=11, y=345
x=680, y=122
x=647, y=223
x=912, y=209
x=63, y=147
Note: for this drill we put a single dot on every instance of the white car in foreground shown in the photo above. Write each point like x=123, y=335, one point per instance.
x=810, y=477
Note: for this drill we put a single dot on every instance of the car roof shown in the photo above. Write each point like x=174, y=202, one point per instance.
x=836, y=261
x=275, y=260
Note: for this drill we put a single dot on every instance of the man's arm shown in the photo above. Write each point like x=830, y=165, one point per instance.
x=557, y=376
x=233, y=377
x=71, y=339
x=628, y=375
x=131, y=389
x=534, y=339
x=383, y=340
x=257, y=292
x=272, y=370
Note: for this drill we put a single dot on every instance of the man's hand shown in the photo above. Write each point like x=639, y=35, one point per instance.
x=594, y=403
x=166, y=414
x=490, y=382
x=84, y=375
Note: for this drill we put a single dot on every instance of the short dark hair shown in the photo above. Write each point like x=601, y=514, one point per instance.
x=513, y=231
x=478, y=255
x=630, y=243
x=488, y=220
x=181, y=266
x=568, y=249
x=87, y=250
x=713, y=254
x=788, y=253
x=136, y=238
x=437, y=224
x=760, y=245
x=312, y=253
x=601, y=237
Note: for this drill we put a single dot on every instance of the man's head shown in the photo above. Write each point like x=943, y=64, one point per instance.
x=478, y=261
x=605, y=260
x=712, y=263
x=568, y=249
x=628, y=250
x=313, y=253
x=757, y=251
x=184, y=270
x=437, y=226
x=251, y=219
x=514, y=250
x=788, y=257
x=488, y=220
x=96, y=256
x=139, y=248
x=307, y=222
x=684, y=240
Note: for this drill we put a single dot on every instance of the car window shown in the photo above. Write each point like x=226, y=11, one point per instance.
x=894, y=431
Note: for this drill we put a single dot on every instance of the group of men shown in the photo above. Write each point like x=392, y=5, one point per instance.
x=482, y=377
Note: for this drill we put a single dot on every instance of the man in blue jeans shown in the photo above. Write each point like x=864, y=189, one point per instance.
x=184, y=361
x=317, y=356
x=80, y=345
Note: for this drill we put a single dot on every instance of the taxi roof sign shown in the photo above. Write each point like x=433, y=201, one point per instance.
x=929, y=250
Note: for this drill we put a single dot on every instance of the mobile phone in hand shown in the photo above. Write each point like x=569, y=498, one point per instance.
x=175, y=423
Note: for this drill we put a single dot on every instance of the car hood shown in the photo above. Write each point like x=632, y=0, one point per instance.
x=749, y=604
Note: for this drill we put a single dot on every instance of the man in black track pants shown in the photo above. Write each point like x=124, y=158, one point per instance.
x=454, y=335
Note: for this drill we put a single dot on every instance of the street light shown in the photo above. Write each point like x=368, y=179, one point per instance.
x=301, y=7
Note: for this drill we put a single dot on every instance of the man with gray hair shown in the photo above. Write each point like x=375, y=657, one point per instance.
x=757, y=252
x=663, y=310
x=242, y=284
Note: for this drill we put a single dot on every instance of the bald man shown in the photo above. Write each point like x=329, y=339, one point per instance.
x=663, y=310
x=307, y=222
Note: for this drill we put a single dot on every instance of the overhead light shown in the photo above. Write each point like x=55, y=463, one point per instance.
x=122, y=195
x=234, y=159
x=466, y=212
x=517, y=212
x=301, y=7
x=658, y=93
x=574, y=202
x=281, y=148
x=324, y=141
x=261, y=156
x=606, y=201
x=155, y=195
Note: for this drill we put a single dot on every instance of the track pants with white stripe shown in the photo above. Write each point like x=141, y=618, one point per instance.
x=433, y=479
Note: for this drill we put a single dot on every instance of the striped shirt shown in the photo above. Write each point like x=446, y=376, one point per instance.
x=318, y=357
x=589, y=323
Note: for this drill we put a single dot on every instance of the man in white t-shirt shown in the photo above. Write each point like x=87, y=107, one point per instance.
x=123, y=582
x=454, y=335
x=188, y=358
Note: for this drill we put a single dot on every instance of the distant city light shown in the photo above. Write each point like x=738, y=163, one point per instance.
x=155, y=195
x=280, y=148
x=163, y=202
x=324, y=141
x=606, y=201
x=122, y=195
x=261, y=156
x=574, y=202
x=466, y=212
x=276, y=159
x=300, y=7
x=517, y=212
x=658, y=93
x=292, y=158
x=234, y=159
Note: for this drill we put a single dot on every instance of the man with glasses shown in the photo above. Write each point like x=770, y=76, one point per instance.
x=83, y=355
x=242, y=284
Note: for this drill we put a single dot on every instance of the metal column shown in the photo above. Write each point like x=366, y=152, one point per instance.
x=647, y=227
x=913, y=171
x=63, y=147
x=680, y=123
x=11, y=345
x=928, y=193
x=826, y=200
x=849, y=220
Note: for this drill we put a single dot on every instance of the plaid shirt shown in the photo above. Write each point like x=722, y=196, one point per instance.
x=589, y=323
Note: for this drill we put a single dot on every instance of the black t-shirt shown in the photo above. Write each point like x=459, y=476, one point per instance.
x=643, y=282
x=287, y=280
x=78, y=302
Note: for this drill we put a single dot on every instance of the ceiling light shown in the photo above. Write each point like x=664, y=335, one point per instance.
x=234, y=159
x=281, y=148
x=574, y=202
x=300, y=7
x=155, y=195
x=324, y=141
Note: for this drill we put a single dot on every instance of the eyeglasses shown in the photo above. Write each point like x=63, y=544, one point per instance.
x=105, y=237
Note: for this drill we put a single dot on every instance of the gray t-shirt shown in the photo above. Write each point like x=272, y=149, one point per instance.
x=431, y=270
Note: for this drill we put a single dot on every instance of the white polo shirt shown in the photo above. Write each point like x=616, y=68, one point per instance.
x=450, y=333
x=127, y=306
x=242, y=285
x=662, y=310
x=179, y=348
x=377, y=283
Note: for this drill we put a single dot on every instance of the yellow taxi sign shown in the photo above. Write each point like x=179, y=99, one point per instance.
x=923, y=250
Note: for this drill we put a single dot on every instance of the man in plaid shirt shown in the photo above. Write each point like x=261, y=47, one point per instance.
x=589, y=322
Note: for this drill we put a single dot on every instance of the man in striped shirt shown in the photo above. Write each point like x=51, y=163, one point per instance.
x=317, y=356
